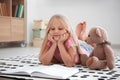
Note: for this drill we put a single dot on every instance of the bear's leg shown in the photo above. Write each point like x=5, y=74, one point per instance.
x=95, y=63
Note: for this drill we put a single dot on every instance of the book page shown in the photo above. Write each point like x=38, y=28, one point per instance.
x=56, y=71
x=26, y=70
x=49, y=71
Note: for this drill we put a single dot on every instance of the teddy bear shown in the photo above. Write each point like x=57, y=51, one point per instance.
x=102, y=55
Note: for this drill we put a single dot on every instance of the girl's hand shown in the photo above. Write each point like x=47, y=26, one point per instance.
x=63, y=37
x=50, y=37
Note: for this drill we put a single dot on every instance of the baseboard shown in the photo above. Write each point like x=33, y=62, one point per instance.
x=116, y=46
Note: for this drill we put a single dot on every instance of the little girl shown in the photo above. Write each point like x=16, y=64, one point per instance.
x=60, y=44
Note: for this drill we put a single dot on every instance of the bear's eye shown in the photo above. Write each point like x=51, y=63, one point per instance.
x=88, y=35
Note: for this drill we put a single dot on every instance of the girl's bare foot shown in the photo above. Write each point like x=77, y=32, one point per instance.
x=81, y=31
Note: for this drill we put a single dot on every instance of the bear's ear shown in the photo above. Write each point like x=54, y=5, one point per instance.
x=98, y=32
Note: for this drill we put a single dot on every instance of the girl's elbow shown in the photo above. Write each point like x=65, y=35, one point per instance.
x=44, y=62
x=70, y=64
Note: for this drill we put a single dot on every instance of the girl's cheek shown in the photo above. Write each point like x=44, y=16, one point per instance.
x=50, y=32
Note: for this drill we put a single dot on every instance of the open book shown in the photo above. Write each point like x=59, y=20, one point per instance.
x=51, y=71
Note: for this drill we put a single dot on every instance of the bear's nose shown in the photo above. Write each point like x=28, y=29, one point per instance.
x=85, y=40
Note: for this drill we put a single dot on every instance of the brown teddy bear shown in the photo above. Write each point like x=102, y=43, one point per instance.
x=103, y=55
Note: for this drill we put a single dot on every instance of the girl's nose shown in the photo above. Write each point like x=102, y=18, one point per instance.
x=56, y=30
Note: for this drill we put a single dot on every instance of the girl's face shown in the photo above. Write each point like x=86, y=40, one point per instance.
x=57, y=29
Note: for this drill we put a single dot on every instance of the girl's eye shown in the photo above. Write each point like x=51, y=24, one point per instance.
x=52, y=28
x=88, y=35
x=60, y=28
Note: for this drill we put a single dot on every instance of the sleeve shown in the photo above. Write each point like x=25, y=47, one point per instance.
x=70, y=42
x=49, y=43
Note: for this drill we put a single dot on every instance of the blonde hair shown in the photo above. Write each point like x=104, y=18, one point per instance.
x=67, y=26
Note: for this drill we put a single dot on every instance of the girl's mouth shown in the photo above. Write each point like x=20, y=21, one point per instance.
x=56, y=37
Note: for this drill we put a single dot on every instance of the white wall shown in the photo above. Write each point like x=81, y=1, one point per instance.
x=104, y=13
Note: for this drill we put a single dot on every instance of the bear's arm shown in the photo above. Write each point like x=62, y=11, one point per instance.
x=110, y=58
